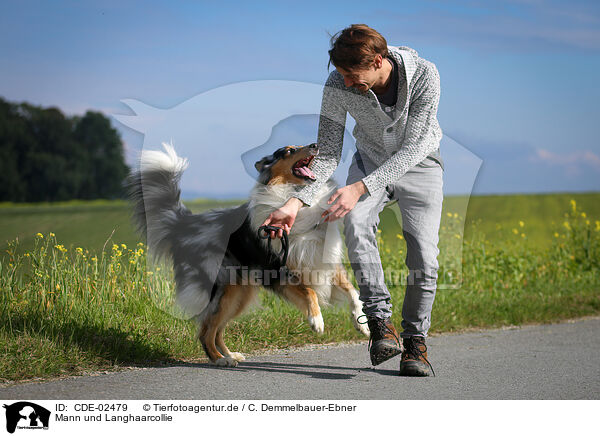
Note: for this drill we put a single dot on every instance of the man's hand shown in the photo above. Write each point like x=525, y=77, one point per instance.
x=347, y=197
x=284, y=217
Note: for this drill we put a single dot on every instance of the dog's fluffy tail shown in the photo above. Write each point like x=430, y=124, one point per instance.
x=154, y=191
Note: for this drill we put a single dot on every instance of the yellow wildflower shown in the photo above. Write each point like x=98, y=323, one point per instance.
x=521, y=224
x=449, y=215
x=522, y=235
x=455, y=215
x=124, y=247
x=583, y=215
x=573, y=205
x=79, y=250
x=115, y=247
x=399, y=236
x=567, y=225
x=556, y=235
x=598, y=226
x=39, y=235
x=52, y=235
x=515, y=231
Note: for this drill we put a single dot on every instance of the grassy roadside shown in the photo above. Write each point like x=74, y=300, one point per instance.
x=66, y=310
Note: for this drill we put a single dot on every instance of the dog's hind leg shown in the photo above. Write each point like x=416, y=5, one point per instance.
x=234, y=299
x=343, y=286
x=305, y=299
x=243, y=296
x=207, y=336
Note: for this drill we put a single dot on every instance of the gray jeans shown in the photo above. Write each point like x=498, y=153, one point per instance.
x=419, y=196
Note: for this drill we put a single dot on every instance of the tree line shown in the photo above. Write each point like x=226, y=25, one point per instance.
x=47, y=156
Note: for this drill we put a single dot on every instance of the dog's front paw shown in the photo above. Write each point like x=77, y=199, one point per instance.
x=226, y=361
x=316, y=323
x=239, y=357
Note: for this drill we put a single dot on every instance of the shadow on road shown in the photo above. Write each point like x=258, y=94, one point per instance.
x=327, y=372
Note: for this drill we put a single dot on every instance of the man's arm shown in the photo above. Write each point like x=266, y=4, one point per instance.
x=330, y=137
x=421, y=133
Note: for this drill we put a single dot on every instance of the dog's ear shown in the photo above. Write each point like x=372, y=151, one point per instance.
x=267, y=161
x=264, y=163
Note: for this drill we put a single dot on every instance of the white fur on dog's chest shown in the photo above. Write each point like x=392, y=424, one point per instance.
x=312, y=243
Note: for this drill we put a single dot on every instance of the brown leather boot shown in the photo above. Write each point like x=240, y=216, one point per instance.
x=383, y=343
x=414, y=358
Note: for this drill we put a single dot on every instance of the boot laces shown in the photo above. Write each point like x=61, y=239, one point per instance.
x=411, y=348
x=380, y=327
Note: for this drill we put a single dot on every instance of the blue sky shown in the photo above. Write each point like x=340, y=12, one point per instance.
x=519, y=78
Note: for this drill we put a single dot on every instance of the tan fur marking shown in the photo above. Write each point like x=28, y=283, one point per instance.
x=234, y=300
x=304, y=298
x=221, y=343
x=208, y=340
x=281, y=171
x=341, y=279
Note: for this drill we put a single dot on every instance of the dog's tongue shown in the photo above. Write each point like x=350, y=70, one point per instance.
x=306, y=172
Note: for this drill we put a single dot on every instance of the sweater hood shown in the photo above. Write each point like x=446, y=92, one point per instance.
x=403, y=47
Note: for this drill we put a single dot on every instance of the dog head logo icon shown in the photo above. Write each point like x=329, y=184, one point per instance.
x=26, y=415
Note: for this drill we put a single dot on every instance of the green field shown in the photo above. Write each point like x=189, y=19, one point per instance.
x=76, y=293
x=91, y=224
x=88, y=224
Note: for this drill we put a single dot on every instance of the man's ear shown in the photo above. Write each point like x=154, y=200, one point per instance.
x=378, y=61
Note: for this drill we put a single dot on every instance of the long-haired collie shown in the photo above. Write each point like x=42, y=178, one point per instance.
x=220, y=260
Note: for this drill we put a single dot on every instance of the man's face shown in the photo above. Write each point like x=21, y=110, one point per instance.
x=361, y=79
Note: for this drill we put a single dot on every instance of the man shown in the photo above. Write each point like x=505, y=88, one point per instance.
x=393, y=95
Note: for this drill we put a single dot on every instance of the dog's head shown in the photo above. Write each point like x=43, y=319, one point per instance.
x=287, y=165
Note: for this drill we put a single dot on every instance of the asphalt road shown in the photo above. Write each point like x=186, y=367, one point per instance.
x=558, y=361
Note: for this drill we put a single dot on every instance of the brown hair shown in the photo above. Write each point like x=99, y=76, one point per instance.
x=355, y=47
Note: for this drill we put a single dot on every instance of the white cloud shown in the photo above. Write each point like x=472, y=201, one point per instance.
x=578, y=158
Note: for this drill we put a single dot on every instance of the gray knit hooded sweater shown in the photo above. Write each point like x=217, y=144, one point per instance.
x=394, y=145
